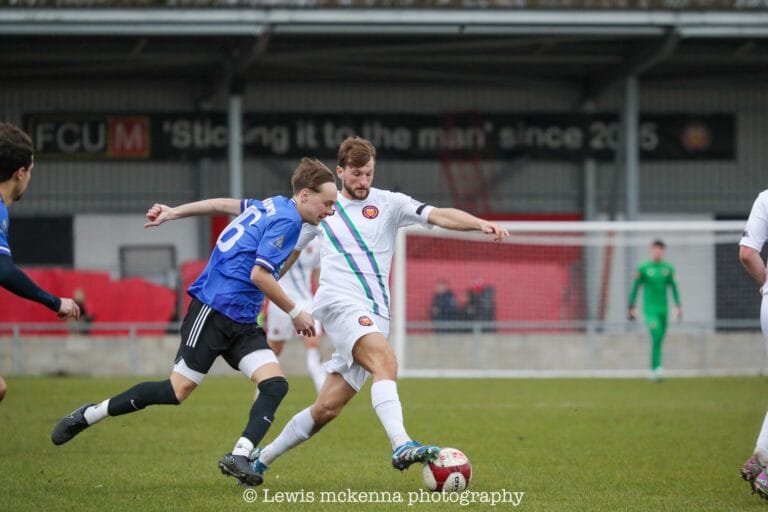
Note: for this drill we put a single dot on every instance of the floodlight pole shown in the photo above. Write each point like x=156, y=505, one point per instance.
x=630, y=122
x=235, y=153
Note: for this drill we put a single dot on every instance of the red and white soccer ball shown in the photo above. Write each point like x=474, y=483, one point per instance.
x=449, y=472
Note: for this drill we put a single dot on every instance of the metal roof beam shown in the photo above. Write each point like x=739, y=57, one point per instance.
x=251, y=22
x=644, y=59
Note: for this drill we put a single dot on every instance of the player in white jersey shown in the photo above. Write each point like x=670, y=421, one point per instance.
x=353, y=302
x=298, y=283
x=751, y=244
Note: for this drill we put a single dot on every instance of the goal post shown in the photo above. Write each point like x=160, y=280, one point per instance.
x=552, y=300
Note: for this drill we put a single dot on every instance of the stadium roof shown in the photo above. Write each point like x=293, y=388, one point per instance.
x=429, y=41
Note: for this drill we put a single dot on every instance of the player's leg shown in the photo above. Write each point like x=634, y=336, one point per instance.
x=333, y=396
x=3, y=388
x=658, y=331
x=344, y=379
x=251, y=354
x=653, y=324
x=753, y=471
x=314, y=364
x=134, y=399
x=194, y=358
x=376, y=355
x=277, y=348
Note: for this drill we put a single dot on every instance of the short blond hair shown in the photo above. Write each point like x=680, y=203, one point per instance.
x=312, y=174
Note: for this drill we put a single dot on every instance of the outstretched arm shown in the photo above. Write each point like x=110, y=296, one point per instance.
x=459, y=220
x=13, y=279
x=160, y=213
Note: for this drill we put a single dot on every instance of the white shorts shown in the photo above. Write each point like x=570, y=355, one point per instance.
x=344, y=324
x=279, y=324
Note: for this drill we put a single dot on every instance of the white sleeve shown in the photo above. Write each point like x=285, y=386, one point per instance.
x=756, y=231
x=307, y=234
x=314, y=261
x=410, y=210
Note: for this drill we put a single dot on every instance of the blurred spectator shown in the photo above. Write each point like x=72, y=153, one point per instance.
x=84, y=324
x=445, y=307
x=481, y=304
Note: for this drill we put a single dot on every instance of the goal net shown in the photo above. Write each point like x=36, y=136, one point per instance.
x=552, y=300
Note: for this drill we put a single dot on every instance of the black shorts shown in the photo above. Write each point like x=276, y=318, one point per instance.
x=207, y=334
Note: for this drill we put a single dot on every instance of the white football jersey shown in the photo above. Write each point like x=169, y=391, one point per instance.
x=756, y=231
x=358, y=242
x=297, y=282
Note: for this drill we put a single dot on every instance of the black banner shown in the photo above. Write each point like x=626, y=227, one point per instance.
x=495, y=136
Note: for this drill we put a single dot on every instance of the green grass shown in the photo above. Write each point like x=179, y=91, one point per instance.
x=570, y=445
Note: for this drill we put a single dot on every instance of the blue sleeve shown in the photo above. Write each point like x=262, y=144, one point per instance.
x=5, y=247
x=277, y=242
x=15, y=281
x=245, y=203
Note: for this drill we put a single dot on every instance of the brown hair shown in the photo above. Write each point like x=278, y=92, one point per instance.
x=15, y=150
x=311, y=174
x=356, y=151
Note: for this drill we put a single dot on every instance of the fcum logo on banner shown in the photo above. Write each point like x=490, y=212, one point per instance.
x=98, y=136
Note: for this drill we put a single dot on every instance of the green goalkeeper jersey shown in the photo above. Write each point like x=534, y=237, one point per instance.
x=655, y=277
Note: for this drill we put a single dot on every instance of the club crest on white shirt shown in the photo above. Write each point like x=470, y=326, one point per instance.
x=370, y=211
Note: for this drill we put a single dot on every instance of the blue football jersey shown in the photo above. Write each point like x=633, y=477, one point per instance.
x=263, y=234
x=5, y=247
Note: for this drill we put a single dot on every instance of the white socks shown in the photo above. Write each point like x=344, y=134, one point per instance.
x=761, y=450
x=295, y=432
x=386, y=403
x=96, y=413
x=315, y=367
x=244, y=446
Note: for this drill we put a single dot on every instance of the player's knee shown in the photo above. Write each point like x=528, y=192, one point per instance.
x=3, y=389
x=385, y=366
x=182, y=389
x=274, y=386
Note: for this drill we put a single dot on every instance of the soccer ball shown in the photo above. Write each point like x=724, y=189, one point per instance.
x=449, y=472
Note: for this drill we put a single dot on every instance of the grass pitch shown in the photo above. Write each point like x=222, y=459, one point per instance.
x=570, y=445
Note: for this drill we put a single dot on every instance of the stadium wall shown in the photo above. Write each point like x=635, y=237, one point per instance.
x=687, y=352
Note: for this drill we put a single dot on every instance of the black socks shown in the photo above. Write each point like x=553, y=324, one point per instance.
x=142, y=395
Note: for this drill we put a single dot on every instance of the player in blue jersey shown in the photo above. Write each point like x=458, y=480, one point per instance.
x=353, y=302
x=226, y=298
x=16, y=163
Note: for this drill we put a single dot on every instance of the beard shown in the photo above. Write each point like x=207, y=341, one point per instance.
x=356, y=193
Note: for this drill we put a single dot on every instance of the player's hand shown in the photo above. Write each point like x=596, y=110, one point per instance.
x=679, y=313
x=631, y=313
x=69, y=309
x=158, y=214
x=304, y=324
x=491, y=228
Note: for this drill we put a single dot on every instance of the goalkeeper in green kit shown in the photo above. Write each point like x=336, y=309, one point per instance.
x=655, y=276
